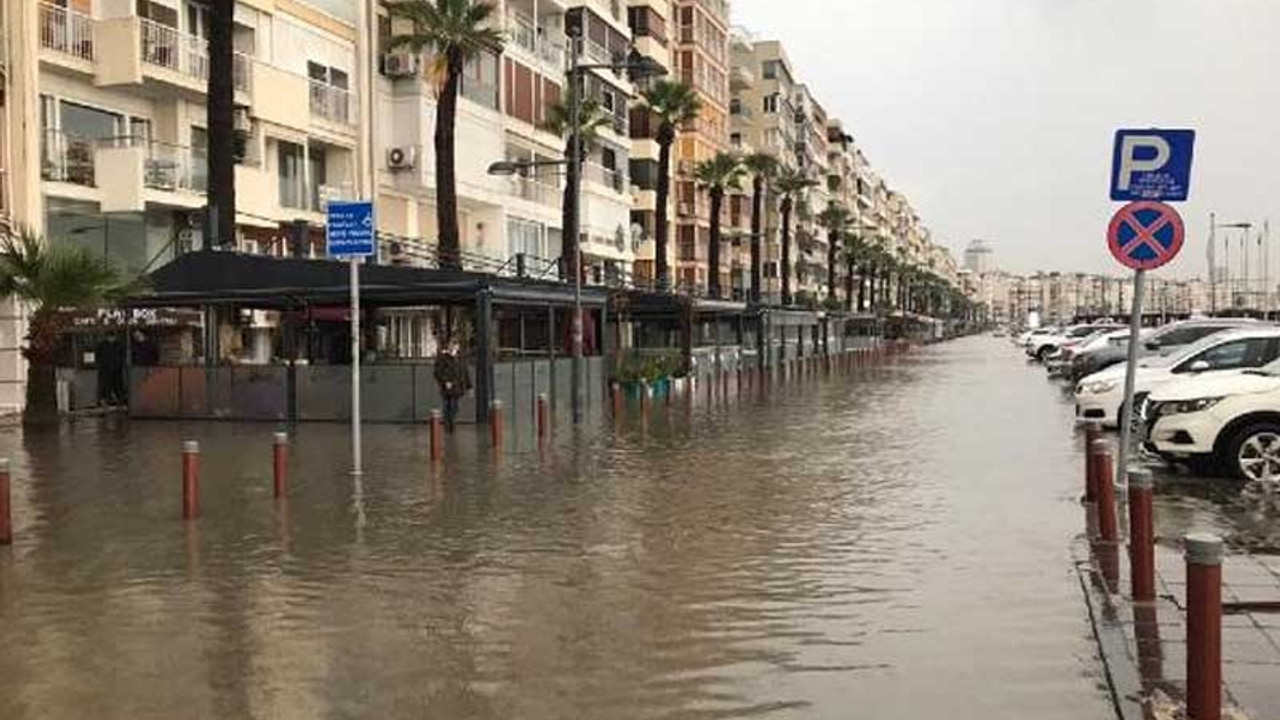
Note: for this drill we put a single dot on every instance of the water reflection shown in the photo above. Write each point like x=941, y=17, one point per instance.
x=891, y=546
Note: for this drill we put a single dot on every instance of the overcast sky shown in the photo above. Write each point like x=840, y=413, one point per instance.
x=996, y=117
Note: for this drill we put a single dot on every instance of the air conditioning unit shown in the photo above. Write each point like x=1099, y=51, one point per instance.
x=243, y=120
x=685, y=167
x=401, y=64
x=404, y=157
x=684, y=208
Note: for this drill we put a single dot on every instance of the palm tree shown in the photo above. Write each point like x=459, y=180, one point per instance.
x=789, y=184
x=833, y=219
x=671, y=104
x=720, y=173
x=854, y=253
x=455, y=32
x=53, y=281
x=591, y=118
x=220, y=119
x=762, y=167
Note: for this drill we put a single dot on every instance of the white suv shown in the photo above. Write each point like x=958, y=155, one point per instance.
x=1099, y=397
x=1229, y=421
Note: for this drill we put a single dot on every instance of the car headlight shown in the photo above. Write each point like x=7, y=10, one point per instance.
x=1100, y=386
x=1182, y=407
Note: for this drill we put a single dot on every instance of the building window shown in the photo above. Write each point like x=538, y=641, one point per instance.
x=771, y=104
x=289, y=162
x=769, y=70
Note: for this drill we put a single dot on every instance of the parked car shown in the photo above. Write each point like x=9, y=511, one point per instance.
x=1041, y=347
x=1100, y=396
x=1066, y=361
x=1026, y=338
x=1228, y=422
x=1165, y=340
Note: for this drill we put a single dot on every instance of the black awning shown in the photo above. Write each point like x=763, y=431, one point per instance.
x=212, y=277
x=648, y=304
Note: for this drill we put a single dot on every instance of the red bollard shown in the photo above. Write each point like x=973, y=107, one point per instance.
x=541, y=416
x=1204, y=626
x=6, y=510
x=190, y=480
x=435, y=423
x=495, y=423
x=280, y=463
x=1092, y=433
x=646, y=395
x=1108, y=525
x=1142, y=558
x=616, y=389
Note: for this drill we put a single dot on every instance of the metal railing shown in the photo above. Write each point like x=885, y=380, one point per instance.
x=599, y=174
x=66, y=31
x=535, y=190
x=522, y=31
x=67, y=158
x=167, y=47
x=331, y=103
x=175, y=168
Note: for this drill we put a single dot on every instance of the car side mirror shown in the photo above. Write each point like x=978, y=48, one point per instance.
x=1198, y=366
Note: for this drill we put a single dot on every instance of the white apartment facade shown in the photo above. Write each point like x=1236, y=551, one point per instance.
x=106, y=131
x=502, y=115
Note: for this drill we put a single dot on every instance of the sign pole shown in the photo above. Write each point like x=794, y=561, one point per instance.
x=1126, y=419
x=350, y=234
x=356, y=465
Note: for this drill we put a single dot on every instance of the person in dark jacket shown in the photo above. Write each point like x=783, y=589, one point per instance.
x=455, y=381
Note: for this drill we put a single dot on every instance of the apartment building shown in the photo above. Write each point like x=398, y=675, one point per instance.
x=105, y=131
x=702, y=62
x=762, y=119
x=503, y=112
x=811, y=149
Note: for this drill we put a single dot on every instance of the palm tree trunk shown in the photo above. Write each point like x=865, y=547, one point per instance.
x=713, y=249
x=568, y=212
x=848, y=285
x=757, y=211
x=220, y=119
x=662, y=274
x=786, y=251
x=832, y=240
x=42, y=343
x=862, y=288
x=450, y=240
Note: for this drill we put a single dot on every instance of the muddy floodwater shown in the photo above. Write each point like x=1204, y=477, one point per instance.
x=894, y=545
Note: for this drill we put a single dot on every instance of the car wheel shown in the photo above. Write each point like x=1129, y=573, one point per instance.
x=1043, y=352
x=1254, y=453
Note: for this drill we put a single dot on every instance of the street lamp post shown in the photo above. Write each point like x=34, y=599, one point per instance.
x=638, y=66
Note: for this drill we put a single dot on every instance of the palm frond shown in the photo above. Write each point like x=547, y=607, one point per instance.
x=724, y=171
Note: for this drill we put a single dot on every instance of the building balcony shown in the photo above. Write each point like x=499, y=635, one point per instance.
x=543, y=44
x=68, y=159
x=536, y=190
x=600, y=175
x=741, y=78
x=130, y=50
x=66, y=32
x=332, y=104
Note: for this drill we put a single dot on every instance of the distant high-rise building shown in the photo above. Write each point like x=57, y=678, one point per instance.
x=979, y=257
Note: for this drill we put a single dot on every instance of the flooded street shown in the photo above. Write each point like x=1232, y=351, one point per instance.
x=895, y=545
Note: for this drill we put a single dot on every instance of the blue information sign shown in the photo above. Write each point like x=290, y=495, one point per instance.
x=1152, y=165
x=350, y=230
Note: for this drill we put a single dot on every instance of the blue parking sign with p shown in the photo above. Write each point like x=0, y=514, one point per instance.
x=1152, y=165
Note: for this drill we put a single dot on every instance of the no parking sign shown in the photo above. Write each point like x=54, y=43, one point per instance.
x=1145, y=235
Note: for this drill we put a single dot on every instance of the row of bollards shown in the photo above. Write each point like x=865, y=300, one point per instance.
x=798, y=367
x=1203, y=558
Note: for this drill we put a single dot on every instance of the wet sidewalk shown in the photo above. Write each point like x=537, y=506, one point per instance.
x=1143, y=645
